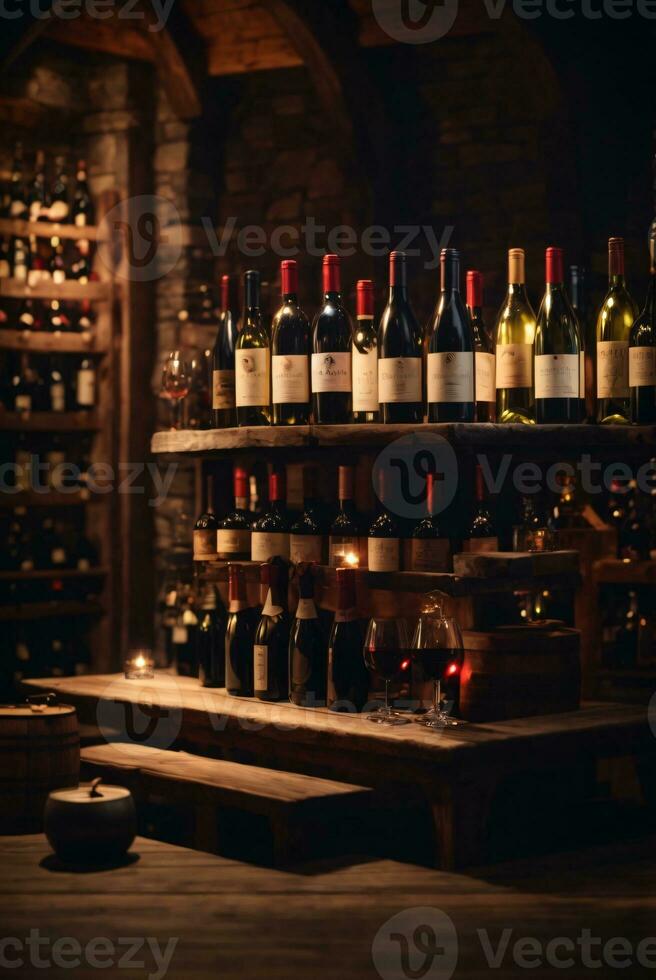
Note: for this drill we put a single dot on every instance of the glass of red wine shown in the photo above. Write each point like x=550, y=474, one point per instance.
x=386, y=653
x=176, y=381
x=437, y=648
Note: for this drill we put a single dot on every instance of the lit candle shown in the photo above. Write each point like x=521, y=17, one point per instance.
x=139, y=666
x=351, y=559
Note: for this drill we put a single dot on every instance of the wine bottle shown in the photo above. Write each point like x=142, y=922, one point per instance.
x=348, y=679
x=364, y=362
x=481, y=535
x=290, y=354
x=344, y=537
x=85, y=385
x=642, y=353
x=430, y=547
x=252, y=359
x=579, y=300
x=24, y=387
x=37, y=199
x=306, y=540
x=514, y=339
x=59, y=207
x=557, y=350
x=18, y=207
x=205, y=529
x=486, y=395
x=271, y=645
x=399, y=351
x=383, y=541
x=234, y=531
x=450, y=362
x=57, y=384
x=5, y=258
x=239, y=637
x=223, y=357
x=82, y=213
x=331, y=351
x=57, y=266
x=21, y=260
x=308, y=655
x=616, y=318
x=80, y=266
x=270, y=537
x=210, y=639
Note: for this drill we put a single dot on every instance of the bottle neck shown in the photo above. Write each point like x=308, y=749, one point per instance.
x=333, y=297
x=398, y=293
x=450, y=275
x=290, y=299
x=617, y=280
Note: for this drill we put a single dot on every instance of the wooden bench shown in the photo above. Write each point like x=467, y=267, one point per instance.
x=290, y=809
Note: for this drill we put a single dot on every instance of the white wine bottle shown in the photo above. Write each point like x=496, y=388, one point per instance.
x=253, y=359
x=557, y=365
x=616, y=317
x=514, y=339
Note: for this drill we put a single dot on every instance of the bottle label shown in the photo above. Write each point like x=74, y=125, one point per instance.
x=266, y=544
x=260, y=667
x=223, y=389
x=514, y=365
x=306, y=609
x=58, y=556
x=485, y=377
x=252, y=380
x=383, y=554
x=180, y=635
x=83, y=564
x=431, y=554
x=233, y=542
x=557, y=375
x=399, y=379
x=20, y=273
x=204, y=544
x=612, y=369
x=480, y=545
x=5, y=269
x=80, y=220
x=86, y=387
x=582, y=385
x=642, y=367
x=306, y=547
x=450, y=377
x=23, y=403
x=365, y=380
x=34, y=277
x=58, y=211
x=18, y=209
x=331, y=371
x=58, y=396
x=289, y=379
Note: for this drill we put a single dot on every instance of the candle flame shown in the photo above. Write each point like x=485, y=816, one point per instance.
x=351, y=559
x=140, y=661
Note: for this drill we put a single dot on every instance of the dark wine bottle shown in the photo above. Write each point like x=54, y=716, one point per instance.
x=364, y=363
x=348, y=678
x=205, y=528
x=252, y=359
x=82, y=204
x=271, y=646
x=270, y=537
x=344, y=538
x=642, y=353
x=37, y=199
x=557, y=350
x=224, y=412
x=481, y=535
x=18, y=207
x=484, y=359
x=290, y=354
x=383, y=539
x=399, y=351
x=239, y=637
x=450, y=363
x=308, y=655
x=59, y=207
x=306, y=539
x=331, y=351
x=616, y=318
x=234, y=531
x=210, y=639
x=430, y=547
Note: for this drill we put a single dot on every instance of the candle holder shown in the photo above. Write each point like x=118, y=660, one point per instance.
x=139, y=666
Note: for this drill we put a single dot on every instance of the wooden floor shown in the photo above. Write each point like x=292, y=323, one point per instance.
x=236, y=920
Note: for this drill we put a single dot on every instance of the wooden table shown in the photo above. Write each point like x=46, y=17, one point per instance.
x=460, y=771
x=236, y=920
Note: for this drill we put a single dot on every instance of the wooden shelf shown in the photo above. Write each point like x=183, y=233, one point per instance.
x=49, y=422
x=43, y=574
x=47, y=229
x=536, y=439
x=31, y=498
x=49, y=610
x=617, y=571
x=40, y=342
x=69, y=290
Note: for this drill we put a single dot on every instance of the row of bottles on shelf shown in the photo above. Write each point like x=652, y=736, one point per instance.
x=44, y=544
x=47, y=382
x=49, y=462
x=52, y=647
x=48, y=192
x=547, y=368
x=35, y=318
x=313, y=658
x=383, y=542
x=628, y=630
x=34, y=261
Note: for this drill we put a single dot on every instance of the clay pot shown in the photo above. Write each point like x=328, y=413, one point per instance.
x=92, y=824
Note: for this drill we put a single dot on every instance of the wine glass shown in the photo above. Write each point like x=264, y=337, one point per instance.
x=438, y=649
x=176, y=381
x=386, y=652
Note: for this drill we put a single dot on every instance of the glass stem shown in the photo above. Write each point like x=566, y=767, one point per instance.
x=387, y=707
x=437, y=696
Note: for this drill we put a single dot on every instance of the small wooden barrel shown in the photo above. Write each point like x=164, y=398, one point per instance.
x=39, y=752
x=517, y=671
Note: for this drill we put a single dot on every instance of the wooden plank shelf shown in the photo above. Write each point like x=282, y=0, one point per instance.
x=40, y=342
x=69, y=290
x=623, y=571
x=536, y=439
x=47, y=229
x=43, y=574
x=49, y=422
x=49, y=610
x=50, y=498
